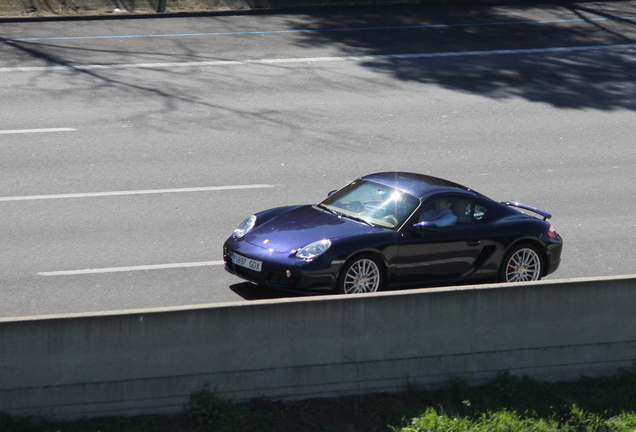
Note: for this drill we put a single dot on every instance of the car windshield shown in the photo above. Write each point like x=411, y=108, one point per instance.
x=372, y=203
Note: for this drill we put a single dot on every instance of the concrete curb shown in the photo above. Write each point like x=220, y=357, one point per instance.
x=60, y=9
x=122, y=8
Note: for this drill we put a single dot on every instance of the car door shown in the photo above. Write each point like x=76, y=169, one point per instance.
x=450, y=252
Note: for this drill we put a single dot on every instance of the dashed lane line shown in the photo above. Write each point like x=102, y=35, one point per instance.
x=26, y=131
x=133, y=192
x=130, y=268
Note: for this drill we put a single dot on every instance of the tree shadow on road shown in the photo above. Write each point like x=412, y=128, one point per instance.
x=494, y=51
x=573, y=55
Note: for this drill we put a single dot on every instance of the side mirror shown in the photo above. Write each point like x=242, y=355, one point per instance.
x=425, y=226
x=331, y=193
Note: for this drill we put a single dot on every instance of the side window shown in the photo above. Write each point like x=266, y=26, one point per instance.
x=463, y=209
x=452, y=211
x=447, y=211
x=480, y=212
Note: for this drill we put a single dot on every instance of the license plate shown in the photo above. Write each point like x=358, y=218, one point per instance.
x=246, y=262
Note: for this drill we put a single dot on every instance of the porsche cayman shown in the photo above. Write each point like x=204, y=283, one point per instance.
x=394, y=230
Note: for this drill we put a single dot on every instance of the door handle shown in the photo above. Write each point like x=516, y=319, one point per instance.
x=473, y=242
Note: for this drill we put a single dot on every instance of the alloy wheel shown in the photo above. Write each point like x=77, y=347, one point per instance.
x=362, y=276
x=524, y=265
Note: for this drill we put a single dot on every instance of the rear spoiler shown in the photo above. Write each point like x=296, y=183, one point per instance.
x=541, y=213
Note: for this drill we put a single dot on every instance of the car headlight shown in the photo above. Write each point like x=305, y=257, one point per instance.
x=314, y=249
x=245, y=226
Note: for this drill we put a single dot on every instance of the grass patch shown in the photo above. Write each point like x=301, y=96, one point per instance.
x=507, y=404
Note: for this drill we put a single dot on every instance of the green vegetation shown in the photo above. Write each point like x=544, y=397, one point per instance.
x=507, y=404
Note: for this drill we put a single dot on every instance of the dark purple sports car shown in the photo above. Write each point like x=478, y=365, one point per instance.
x=394, y=230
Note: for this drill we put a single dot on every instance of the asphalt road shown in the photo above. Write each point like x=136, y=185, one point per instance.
x=130, y=149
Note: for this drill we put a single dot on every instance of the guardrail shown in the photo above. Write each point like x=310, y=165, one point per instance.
x=149, y=361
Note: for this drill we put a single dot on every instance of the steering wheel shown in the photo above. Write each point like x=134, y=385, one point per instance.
x=391, y=219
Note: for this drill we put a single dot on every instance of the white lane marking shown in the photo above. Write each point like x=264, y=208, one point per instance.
x=24, y=131
x=133, y=192
x=131, y=268
x=326, y=30
x=316, y=59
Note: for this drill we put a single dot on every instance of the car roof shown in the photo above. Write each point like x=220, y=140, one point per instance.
x=419, y=185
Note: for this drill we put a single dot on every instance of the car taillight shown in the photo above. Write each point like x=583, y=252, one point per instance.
x=552, y=232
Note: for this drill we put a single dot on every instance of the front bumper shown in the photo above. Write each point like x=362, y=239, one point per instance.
x=281, y=271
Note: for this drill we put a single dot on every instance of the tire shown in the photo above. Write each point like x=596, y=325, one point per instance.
x=523, y=263
x=362, y=274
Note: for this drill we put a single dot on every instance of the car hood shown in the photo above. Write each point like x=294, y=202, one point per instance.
x=301, y=226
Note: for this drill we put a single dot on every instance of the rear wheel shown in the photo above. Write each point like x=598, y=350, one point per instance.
x=362, y=274
x=521, y=264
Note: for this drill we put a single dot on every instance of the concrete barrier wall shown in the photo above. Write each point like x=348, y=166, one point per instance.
x=149, y=361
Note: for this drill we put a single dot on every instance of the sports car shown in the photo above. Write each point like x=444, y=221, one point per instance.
x=394, y=230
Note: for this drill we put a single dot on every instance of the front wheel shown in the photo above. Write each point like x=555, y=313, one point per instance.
x=522, y=264
x=362, y=274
